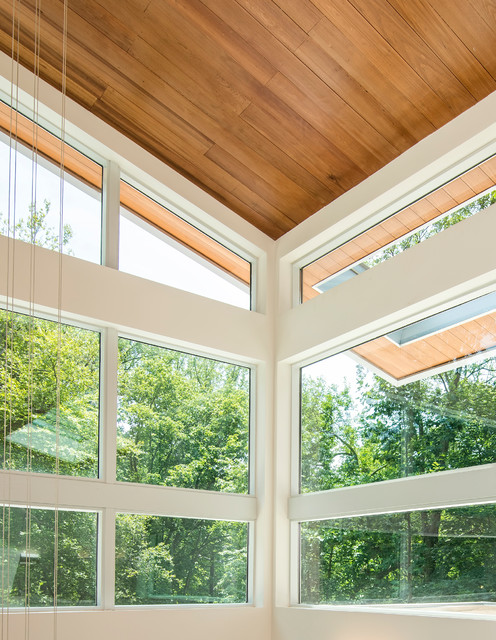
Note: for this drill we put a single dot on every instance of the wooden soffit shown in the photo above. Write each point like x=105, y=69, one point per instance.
x=275, y=107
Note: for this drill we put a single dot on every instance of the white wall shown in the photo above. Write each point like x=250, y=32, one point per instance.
x=302, y=624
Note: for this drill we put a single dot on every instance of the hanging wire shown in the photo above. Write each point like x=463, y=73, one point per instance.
x=31, y=319
x=59, y=311
x=9, y=319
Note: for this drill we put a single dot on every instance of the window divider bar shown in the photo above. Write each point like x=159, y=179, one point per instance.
x=453, y=488
x=111, y=209
x=106, y=559
x=108, y=401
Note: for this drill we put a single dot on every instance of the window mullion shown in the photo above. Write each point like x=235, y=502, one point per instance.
x=111, y=209
x=108, y=431
x=106, y=560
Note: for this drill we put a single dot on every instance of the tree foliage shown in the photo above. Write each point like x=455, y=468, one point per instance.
x=367, y=430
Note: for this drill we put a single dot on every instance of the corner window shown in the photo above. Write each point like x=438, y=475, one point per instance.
x=418, y=400
x=423, y=558
x=461, y=198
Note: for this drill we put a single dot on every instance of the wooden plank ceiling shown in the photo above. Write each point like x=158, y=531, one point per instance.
x=275, y=107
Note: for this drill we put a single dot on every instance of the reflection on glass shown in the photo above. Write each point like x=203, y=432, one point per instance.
x=31, y=208
x=49, y=427
x=439, y=556
x=183, y=420
x=28, y=557
x=178, y=560
x=415, y=401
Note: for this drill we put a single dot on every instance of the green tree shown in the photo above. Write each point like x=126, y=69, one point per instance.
x=370, y=431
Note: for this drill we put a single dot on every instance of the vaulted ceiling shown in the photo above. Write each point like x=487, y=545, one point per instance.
x=274, y=107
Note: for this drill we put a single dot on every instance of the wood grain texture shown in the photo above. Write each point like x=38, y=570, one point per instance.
x=274, y=107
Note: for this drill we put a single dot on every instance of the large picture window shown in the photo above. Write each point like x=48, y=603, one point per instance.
x=418, y=557
x=50, y=402
x=183, y=420
x=179, y=560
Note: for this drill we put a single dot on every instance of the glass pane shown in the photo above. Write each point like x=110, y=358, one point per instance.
x=179, y=560
x=28, y=557
x=415, y=401
x=42, y=430
x=30, y=206
x=183, y=420
x=459, y=199
x=158, y=245
x=440, y=556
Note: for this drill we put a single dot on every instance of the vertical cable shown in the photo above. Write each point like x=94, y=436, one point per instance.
x=31, y=320
x=9, y=322
x=59, y=311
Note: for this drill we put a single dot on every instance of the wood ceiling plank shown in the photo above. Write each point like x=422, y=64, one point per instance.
x=181, y=132
x=367, y=243
x=245, y=142
x=443, y=347
x=409, y=218
x=459, y=190
x=489, y=168
x=324, y=121
x=172, y=141
x=84, y=87
x=363, y=51
x=447, y=46
x=303, y=76
x=441, y=200
x=215, y=98
x=358, y=98
x=213, y=179
x=424, y=355
x=307, y=293
x=381, y=235
x=267, y=190
x=488, y=323
x=120, y=32
x=477, y=180
x=476, y=32
x=189, y=47
x=175, y=133
x=227, y=38
x=419, y=56
x=297, y=139
x=268, y=14
x=303, y=12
